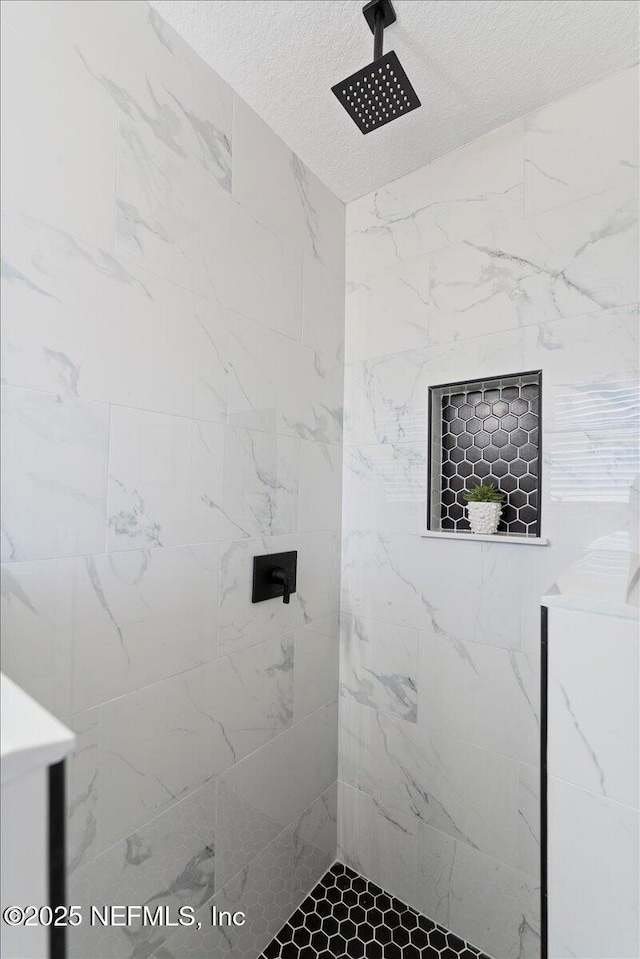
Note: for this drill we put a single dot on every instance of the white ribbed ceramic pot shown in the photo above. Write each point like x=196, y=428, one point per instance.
x=484, y=517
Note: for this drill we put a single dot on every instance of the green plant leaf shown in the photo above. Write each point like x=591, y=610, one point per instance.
x=483, y=493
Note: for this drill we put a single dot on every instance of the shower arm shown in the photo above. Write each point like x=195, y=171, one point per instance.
x=378, y=34
x=378, y=14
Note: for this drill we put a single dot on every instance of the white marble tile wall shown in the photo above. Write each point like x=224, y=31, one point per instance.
x=518, y=252
x=173, y=391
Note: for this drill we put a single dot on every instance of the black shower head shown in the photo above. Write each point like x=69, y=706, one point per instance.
x=379, y=92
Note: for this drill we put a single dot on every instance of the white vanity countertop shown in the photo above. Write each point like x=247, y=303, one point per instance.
x=30, y=737
x=603, y=581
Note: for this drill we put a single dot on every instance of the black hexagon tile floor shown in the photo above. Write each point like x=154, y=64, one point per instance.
x=348, y=916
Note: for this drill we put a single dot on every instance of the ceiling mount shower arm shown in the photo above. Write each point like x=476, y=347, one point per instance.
x=379, y=92
x=378, y=34
x=378, y=14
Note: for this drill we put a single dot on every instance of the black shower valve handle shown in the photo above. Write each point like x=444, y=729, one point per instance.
x=283, y=577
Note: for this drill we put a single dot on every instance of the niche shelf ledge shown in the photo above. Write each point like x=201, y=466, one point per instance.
x=494, y=538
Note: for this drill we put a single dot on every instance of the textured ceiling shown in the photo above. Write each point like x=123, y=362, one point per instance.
x=475, y=64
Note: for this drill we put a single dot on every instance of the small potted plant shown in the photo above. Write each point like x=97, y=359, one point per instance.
x=484, y=505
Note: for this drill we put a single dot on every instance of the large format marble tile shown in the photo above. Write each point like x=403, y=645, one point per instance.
x=166, y=481
x=477, y=896
x=211, y=361
x=494, y=906
x=316, y=666
x=168, y=863
x=594, y=744
x=377, y=844
x=464, y=791
x=36, y=640
x=582, y=144
x=314, y=842
x=474, y=189
x=320, y=495
x=176, y=221
x=436, y=853
x=279, y=386
x=495, y=703
x=562, y=263
x=528, y=859
x=388, y=312
x=177, y=100
x=407, y=580
x=243, y=623
x=379, y=666
x=386, y=397
x=209, y=718
x=83, y=785
x=54, y=471
x=262, y=890
x=247, y=823
x=273, y=787
x=62, y=297
x=157, y=745
x=65, y=180
x=385, y=486
x=141, y=616
x=593, y=908
x=282, y=192
x=322, y=308
x=311, y=750
x=589, y=366
x=261, y=482
x=164, y=206
x=128, y=619
x=249, y=695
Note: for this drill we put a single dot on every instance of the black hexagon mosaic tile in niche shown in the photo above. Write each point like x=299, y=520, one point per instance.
x=347, y=917
x=489, y=433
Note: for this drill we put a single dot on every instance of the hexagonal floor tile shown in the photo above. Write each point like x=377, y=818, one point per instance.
x=348, y=917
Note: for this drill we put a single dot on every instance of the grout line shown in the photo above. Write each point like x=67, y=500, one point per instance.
x=182, y=416
x=432, y=730
x=455, y=344
x=208, y=783
x=410, y=818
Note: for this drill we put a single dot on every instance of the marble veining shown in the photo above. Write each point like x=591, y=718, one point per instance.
x=378, y=666
x=174, y=349
x=170, y=862
x=173, y=344
x=512, y=254
x=54, y=463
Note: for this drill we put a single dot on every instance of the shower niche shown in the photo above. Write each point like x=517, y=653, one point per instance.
x=486, y=432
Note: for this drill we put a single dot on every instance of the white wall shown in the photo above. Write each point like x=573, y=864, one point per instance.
x=593, y=783
x=517, y=253
x=173, y=324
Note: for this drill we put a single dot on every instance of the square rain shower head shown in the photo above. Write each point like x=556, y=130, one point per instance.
x=377, y=94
